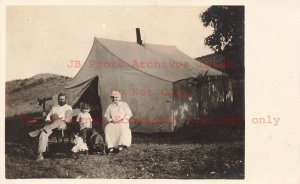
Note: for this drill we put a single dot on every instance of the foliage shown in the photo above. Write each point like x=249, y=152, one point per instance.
x=228, y=34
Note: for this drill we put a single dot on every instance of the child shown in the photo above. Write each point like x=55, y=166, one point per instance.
x=85, y=120
x=79, y=144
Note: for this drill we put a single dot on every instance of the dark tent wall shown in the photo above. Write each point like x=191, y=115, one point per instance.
x=214, y=95
x=204, y=97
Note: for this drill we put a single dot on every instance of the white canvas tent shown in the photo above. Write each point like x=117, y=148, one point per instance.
x=155, y=80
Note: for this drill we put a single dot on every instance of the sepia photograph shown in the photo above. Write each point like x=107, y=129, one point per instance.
x=149, y=91
x=125, y=92
x=119, y=92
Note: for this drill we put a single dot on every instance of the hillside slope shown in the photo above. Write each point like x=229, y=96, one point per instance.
x=21, y=95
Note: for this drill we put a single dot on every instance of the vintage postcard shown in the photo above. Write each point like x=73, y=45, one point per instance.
x=150, y=90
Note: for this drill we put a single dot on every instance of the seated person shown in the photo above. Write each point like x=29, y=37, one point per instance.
x=117, y=131
x=57, y=118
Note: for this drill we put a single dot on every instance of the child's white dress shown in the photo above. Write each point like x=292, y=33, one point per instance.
x=85, y=120
x=79, y=145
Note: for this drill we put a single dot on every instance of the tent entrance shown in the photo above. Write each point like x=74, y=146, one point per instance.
x=91, y=97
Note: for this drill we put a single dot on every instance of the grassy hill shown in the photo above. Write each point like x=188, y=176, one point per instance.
x=21, y=95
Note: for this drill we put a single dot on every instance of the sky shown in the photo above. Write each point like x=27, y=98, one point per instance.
x=43, y=39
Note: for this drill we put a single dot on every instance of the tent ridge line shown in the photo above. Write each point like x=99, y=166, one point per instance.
x=208, y=67
x=130, y=65
x=186, y=73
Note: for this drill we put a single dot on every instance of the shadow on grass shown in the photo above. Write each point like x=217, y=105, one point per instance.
x=201, y=134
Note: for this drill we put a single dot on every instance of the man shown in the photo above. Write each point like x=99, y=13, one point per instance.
x=57, y=118
x=117, y=131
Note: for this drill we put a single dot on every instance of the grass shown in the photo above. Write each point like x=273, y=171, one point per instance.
x=202, y=152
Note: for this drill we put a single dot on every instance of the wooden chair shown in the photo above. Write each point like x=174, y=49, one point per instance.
x=61, y=135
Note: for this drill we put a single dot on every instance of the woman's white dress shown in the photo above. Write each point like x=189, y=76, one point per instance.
x=118, y=133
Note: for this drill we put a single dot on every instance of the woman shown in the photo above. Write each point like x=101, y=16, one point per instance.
x=117, y=131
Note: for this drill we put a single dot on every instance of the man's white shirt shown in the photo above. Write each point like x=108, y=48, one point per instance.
x=60, y=111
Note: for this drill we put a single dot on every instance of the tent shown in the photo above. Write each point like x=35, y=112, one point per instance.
x=157, y=82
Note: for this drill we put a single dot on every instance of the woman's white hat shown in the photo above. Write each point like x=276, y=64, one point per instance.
x=115, y=94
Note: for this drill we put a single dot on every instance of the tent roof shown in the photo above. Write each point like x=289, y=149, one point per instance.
x=162, y=61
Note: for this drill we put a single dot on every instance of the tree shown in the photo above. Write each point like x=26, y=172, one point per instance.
x=228, y=34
